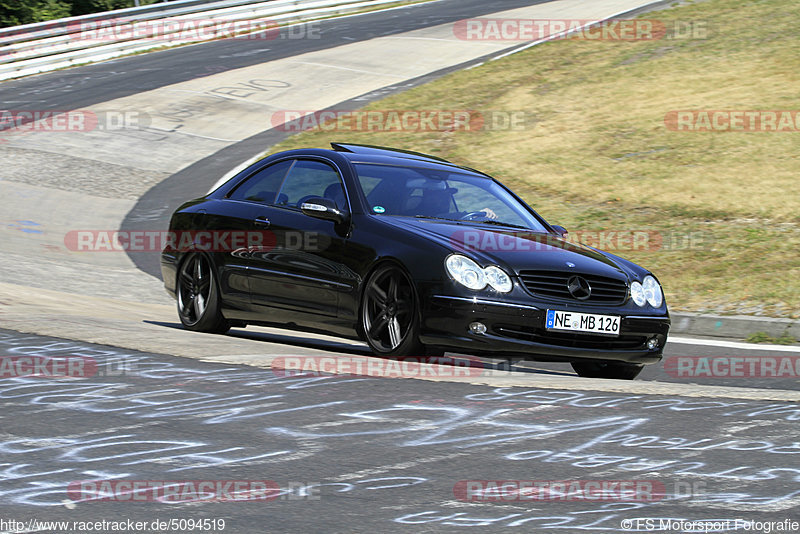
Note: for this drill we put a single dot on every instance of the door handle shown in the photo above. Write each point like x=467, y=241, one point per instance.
x=261, y=221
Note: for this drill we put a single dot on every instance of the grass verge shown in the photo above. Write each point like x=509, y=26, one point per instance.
x=763, y=337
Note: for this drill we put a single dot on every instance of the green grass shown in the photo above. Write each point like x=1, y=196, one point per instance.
x=763, y=337
x=595, y=153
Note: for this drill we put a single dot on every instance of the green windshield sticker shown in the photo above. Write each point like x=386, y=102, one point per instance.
x=378, y=209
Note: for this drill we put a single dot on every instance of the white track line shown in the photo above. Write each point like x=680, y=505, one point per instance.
x=731, y=344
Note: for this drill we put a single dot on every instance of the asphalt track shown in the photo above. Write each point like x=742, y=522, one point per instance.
x=344, y=453
x=380, y=454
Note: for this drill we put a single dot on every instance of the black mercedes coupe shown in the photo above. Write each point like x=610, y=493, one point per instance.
x=413, y=255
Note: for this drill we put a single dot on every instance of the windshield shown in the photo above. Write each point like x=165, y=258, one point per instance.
x=441, y=194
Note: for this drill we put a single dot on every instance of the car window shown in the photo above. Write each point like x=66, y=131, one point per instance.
x=309, y=178
x=471, y=198
x=440, y=193
x=368, y=184
x=263, y=185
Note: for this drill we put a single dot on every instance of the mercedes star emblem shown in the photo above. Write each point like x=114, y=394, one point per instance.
x=579, y=288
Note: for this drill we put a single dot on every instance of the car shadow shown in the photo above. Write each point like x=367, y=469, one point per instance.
x=352, y=347
x=299, y=341
x=284, y=339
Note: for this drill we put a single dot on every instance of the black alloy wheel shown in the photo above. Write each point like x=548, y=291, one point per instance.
x=198, y=296
x=389, y=317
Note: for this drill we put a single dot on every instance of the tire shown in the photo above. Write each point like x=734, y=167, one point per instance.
x=602, y=369
x=198, y=296
x=389, y=316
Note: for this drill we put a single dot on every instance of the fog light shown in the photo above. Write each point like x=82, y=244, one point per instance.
x=652, y=343
x=477, y=328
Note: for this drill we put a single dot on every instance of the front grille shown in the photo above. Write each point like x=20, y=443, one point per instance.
x=553, y=284
x=568, y=339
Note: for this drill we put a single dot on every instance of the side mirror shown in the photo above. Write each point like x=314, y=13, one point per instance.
x=322, y=208
x=560, y=230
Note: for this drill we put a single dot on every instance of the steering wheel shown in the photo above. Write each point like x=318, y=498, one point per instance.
x=473, y=215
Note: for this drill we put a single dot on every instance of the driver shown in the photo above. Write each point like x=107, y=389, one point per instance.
x=437, y=203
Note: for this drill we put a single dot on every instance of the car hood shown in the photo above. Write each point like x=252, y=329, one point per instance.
x=516, y=249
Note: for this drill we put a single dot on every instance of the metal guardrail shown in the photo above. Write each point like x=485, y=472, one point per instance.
x=51, y=45
x=25, y=30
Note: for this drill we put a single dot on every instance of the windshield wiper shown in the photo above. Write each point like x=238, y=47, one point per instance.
x=436, y=218
x=487, y=221
x=501, y=223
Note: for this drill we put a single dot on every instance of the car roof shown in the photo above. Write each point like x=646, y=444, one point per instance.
x=357, y=153
x=384, y=151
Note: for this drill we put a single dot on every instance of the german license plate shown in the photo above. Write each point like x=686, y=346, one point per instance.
x=582, y=322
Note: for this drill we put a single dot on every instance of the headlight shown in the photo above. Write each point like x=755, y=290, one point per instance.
x=652, y=291
x=637, y=294
x=468, y=273
x=498, y=279
x=647, y=292
x=465, y=271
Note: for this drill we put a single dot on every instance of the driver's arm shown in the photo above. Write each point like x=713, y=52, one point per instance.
x=490, y=214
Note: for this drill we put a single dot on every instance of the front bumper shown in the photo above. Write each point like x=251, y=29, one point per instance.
x=518, y=330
